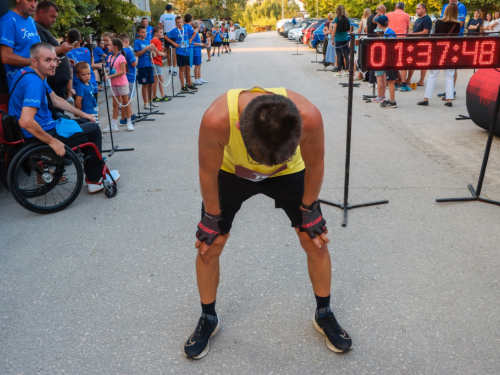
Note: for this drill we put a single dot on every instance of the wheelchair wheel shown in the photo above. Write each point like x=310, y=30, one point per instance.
x=43, y=182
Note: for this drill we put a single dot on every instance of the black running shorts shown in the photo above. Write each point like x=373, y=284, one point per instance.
x=287, y=192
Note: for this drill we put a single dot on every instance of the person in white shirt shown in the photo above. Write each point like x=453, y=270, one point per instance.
x=167, y=21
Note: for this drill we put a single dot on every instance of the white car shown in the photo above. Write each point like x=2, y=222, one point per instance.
x=281, y=22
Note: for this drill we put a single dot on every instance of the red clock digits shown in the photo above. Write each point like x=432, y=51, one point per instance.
x=465, y=52
x=482, y=53
x=372, y=55
x=399, y=46
x=427, y=53
x=445, y=51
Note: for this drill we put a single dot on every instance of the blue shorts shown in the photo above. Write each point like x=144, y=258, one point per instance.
x=145, y=75
x=182, y=60
x=196, y=60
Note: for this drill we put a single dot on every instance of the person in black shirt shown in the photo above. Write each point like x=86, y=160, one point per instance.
x=371, y=26
x=421, y=27
x=45, y=16
x=474, y=24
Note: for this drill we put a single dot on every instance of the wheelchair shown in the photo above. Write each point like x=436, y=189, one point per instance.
x=39, y=179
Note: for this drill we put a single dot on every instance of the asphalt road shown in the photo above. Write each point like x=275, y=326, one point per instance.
x=108, y=285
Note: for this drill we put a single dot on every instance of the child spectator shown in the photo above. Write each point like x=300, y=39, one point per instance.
x=389, y=77
x=81, y=54
x=197, y=54
x=208, y=44
x=217, y=40
x=85, y=100
x=131, y=64
x=181, y=38
x=225, y=40
x=145, y=66
x=158, y=65
x=119, y=84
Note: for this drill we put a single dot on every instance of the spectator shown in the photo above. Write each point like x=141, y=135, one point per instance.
x=232, y=33
x=28, y=104
x=327, y=32
x=462, y=13
x=494, y=26
x=340, y=37
x=81, y=54
x=197, y=55
x=119, y=85
x=158, y=66
x=487, y=23
x=145, y=75
x=167, y=20
x=362, y=29
x=387, y=78
x=85, y=100
x=149, y=30
x=449, y=25
x=371, y=26
x=131, y=64
x=217, y=40
x=45, y=17
x=208, y=44
x=17, y=34
x=203, y=29
x=225, y=40
x=188, y=20
x=474, y=25
x=399, y=22
x=99, y=54
x=180, y=38
x=421, y=27
x=294, y=21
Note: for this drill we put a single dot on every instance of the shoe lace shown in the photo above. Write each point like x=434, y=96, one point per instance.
x=202, y=329
x=331, y=324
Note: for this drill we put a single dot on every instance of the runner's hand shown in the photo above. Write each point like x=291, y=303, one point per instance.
x=313, y=223
x=208, y=231
x=57, y=146
x=91, y=118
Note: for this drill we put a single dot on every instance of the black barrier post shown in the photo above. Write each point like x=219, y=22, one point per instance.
x=316, y=61
x=151, y=112
x=297, y=54
x=174, y=95
x=346, y=206
x=113, y=147
x=143, y=116
x=476, y=194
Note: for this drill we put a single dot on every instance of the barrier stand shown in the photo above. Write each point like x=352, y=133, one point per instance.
x=297, y=54
x=476, y=193
x=345, y=206
x=462, y=117
x=143, y=116
x=114, y=148
x=316, y=61
x=151, y=112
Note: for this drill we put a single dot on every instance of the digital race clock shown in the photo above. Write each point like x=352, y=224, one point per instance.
x=471, y=52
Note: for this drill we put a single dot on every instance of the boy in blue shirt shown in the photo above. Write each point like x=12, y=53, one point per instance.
x=81, y=54
x=197, y=46
x=144, y=66
x=85, y=100
x=181, y=37
x=388, y=77
x=149, y=30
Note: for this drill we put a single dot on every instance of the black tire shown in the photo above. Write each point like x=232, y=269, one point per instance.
x=319, y=47
x=49, y=196
x=301, y=39
x=310, y=43
x=112, y=193
x=3, y=169
x=241, y=38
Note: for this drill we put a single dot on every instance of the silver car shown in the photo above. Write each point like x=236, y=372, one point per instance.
x=240, y=32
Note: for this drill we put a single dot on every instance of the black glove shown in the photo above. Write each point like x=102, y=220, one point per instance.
x=312, y=221
x=208, y=228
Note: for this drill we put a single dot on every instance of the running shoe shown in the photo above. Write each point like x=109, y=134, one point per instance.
x=130, y=127
x=198, y=344
x=148, y=106
x=338, y=75
x=134, y=117
x=423, y=102
x=388, y=104
x=378, y=100
x=337, y=339
x=106, y=129
x=405, y=88
x=346, y=74
x=154, y=105
x=184, y=88
x=174, y=73
x=203, y=81
x=94, y=188
x=192, y=87
x=157, y=100
x=165, y=99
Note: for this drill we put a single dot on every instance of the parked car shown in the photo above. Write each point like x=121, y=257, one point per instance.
x=318, y=40
x=281, y=23
x=286, y=26
x=296, y=33
x=240, y=33
x=308, y=32
x=208, y=24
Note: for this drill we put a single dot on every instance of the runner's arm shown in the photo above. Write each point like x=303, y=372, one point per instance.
x=172, y=42
x=10, y=58
x=142, y=52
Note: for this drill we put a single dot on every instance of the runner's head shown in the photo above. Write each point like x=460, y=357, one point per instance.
x=74, y=36
x=178, y=22
x=43, y=59
x=141, y=31
x=271, y=126
x=188, y=18
x=168, y=7
x=82, y=71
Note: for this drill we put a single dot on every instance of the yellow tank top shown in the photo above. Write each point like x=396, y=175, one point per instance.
x=236, y=159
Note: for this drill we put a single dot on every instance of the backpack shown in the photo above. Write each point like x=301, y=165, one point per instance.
x=343, y=24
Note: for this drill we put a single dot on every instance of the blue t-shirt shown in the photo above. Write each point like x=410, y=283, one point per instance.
x=389, y=33
x=149, y=34
x=31, y=91
x=462, y=13
x=217, y=36
x=197, y=49
x=130, y=57
x=422, y=23
x=82, y=54
x=89, y=104
x=98, y=53
x=20, y=34
x=181, y=37
x=145, y=59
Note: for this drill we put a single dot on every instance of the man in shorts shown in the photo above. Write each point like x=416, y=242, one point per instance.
x=271, y=142
x=167, y=21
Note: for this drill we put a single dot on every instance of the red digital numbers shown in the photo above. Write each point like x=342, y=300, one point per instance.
x=430, y=53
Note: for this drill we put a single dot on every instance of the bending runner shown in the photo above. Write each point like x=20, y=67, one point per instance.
x=271, y=142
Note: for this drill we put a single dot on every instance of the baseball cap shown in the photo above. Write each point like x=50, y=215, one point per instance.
x=382, y=19
x=168, y=7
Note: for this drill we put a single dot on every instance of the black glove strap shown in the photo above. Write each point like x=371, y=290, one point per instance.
x=208, y=228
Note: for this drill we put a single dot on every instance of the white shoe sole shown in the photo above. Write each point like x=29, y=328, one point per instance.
x=207, y=348
x=328, y=343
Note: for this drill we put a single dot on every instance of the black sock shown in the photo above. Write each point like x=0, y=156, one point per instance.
x=321, y=302
x=209, y=308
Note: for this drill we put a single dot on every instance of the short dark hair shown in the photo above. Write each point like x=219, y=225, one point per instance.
x=157, y=28
x=74, y=36
x=178, y=18
x=35, y=49
x=271, y=127
x=80, y=66
x=139, y=28
x=423, y=6
x=188, y=18
x=144, y=18
x=45, y=5
x=123, y=37
x=168, y=7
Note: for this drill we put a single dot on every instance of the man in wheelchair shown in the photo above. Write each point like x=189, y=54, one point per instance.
x=28, y=104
